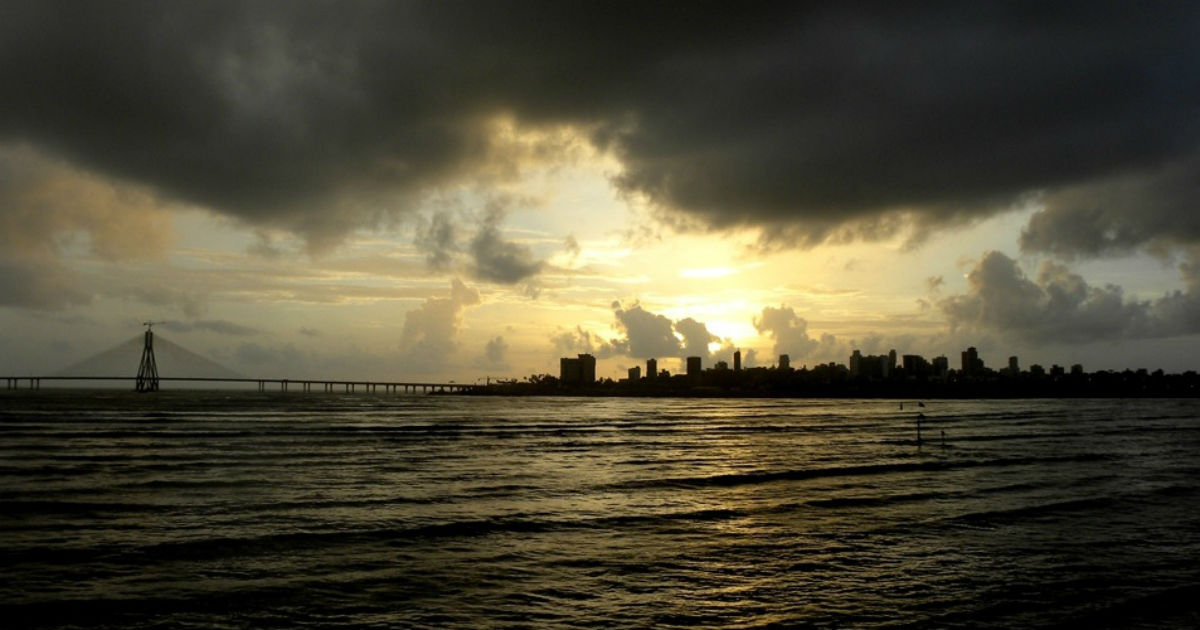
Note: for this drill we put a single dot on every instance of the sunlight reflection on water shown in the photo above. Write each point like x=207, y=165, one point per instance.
x=311, y=511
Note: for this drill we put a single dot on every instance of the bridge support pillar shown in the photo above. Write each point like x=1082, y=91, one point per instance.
x=147, y=375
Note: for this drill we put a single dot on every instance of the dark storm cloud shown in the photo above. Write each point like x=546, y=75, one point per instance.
x=492, y=257
x=498, y=260
x=815, y=122
x=1060, y=306
x=1159, y=207
x=436, y=238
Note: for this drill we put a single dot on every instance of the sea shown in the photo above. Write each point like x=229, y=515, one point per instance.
x=291, y=510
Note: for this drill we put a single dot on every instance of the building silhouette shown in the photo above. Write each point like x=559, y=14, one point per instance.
x=941, y=366
x=651, y=368
x=635, y=373
x=785, y=362
x=693, y=367
x=915, y=366
x=737, y=360
x=577, y=371
x=971, y=363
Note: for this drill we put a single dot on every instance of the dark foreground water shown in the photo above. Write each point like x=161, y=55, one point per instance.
x=222, y=510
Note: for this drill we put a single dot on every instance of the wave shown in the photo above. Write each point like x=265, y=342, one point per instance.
x=739, y=479
x=992, y=517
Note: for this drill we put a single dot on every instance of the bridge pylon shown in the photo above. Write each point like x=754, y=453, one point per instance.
x=147, y=376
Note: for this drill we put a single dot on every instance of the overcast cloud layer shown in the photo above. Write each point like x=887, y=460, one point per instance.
x=842, y=121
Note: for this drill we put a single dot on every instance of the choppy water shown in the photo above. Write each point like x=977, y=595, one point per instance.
x=250, y=511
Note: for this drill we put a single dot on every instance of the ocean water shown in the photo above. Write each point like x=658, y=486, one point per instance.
x=247, y=510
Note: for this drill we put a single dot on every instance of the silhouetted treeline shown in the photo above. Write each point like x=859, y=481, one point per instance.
x=835, y=381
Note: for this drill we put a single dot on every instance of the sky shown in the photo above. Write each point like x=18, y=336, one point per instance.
x=469, y=190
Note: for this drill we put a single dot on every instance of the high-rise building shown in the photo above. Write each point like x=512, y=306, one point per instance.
x=577, y=371
x=587, y=369
x=737, y=360
x=872, y=366
x=785, y=363
x=890, y=366
x=651, y=368
x=693, y=367
x=856, y=363
x=635, y=373
x=915, y=366
x=971, y=363
x=941, y=366
x=568, y=371
x=1014, y=368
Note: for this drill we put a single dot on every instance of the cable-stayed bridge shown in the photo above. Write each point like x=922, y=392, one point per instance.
x=163, y=361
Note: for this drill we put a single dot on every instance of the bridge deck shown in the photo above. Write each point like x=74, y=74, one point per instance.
x=302, y=384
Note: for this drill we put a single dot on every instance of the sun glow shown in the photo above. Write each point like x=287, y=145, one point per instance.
x=733, y=330
x=710, y=272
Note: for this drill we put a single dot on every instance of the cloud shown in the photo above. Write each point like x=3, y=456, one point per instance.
x=218, y=326
x=651, y=335
x=430, y=332
x=39, y=286
x=1059, y=306
x=813, y=122
x=188, y=302
x=47, y=206
x=580, y=341
x=788, y=330
x=273, y=356
x=647, y=335
x=571, y=248
x=1156, y=207
x=495, y=354
x=436, y=238
x=498, y=260
x=695, y=337
x=50, y=211
x=492, y=257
